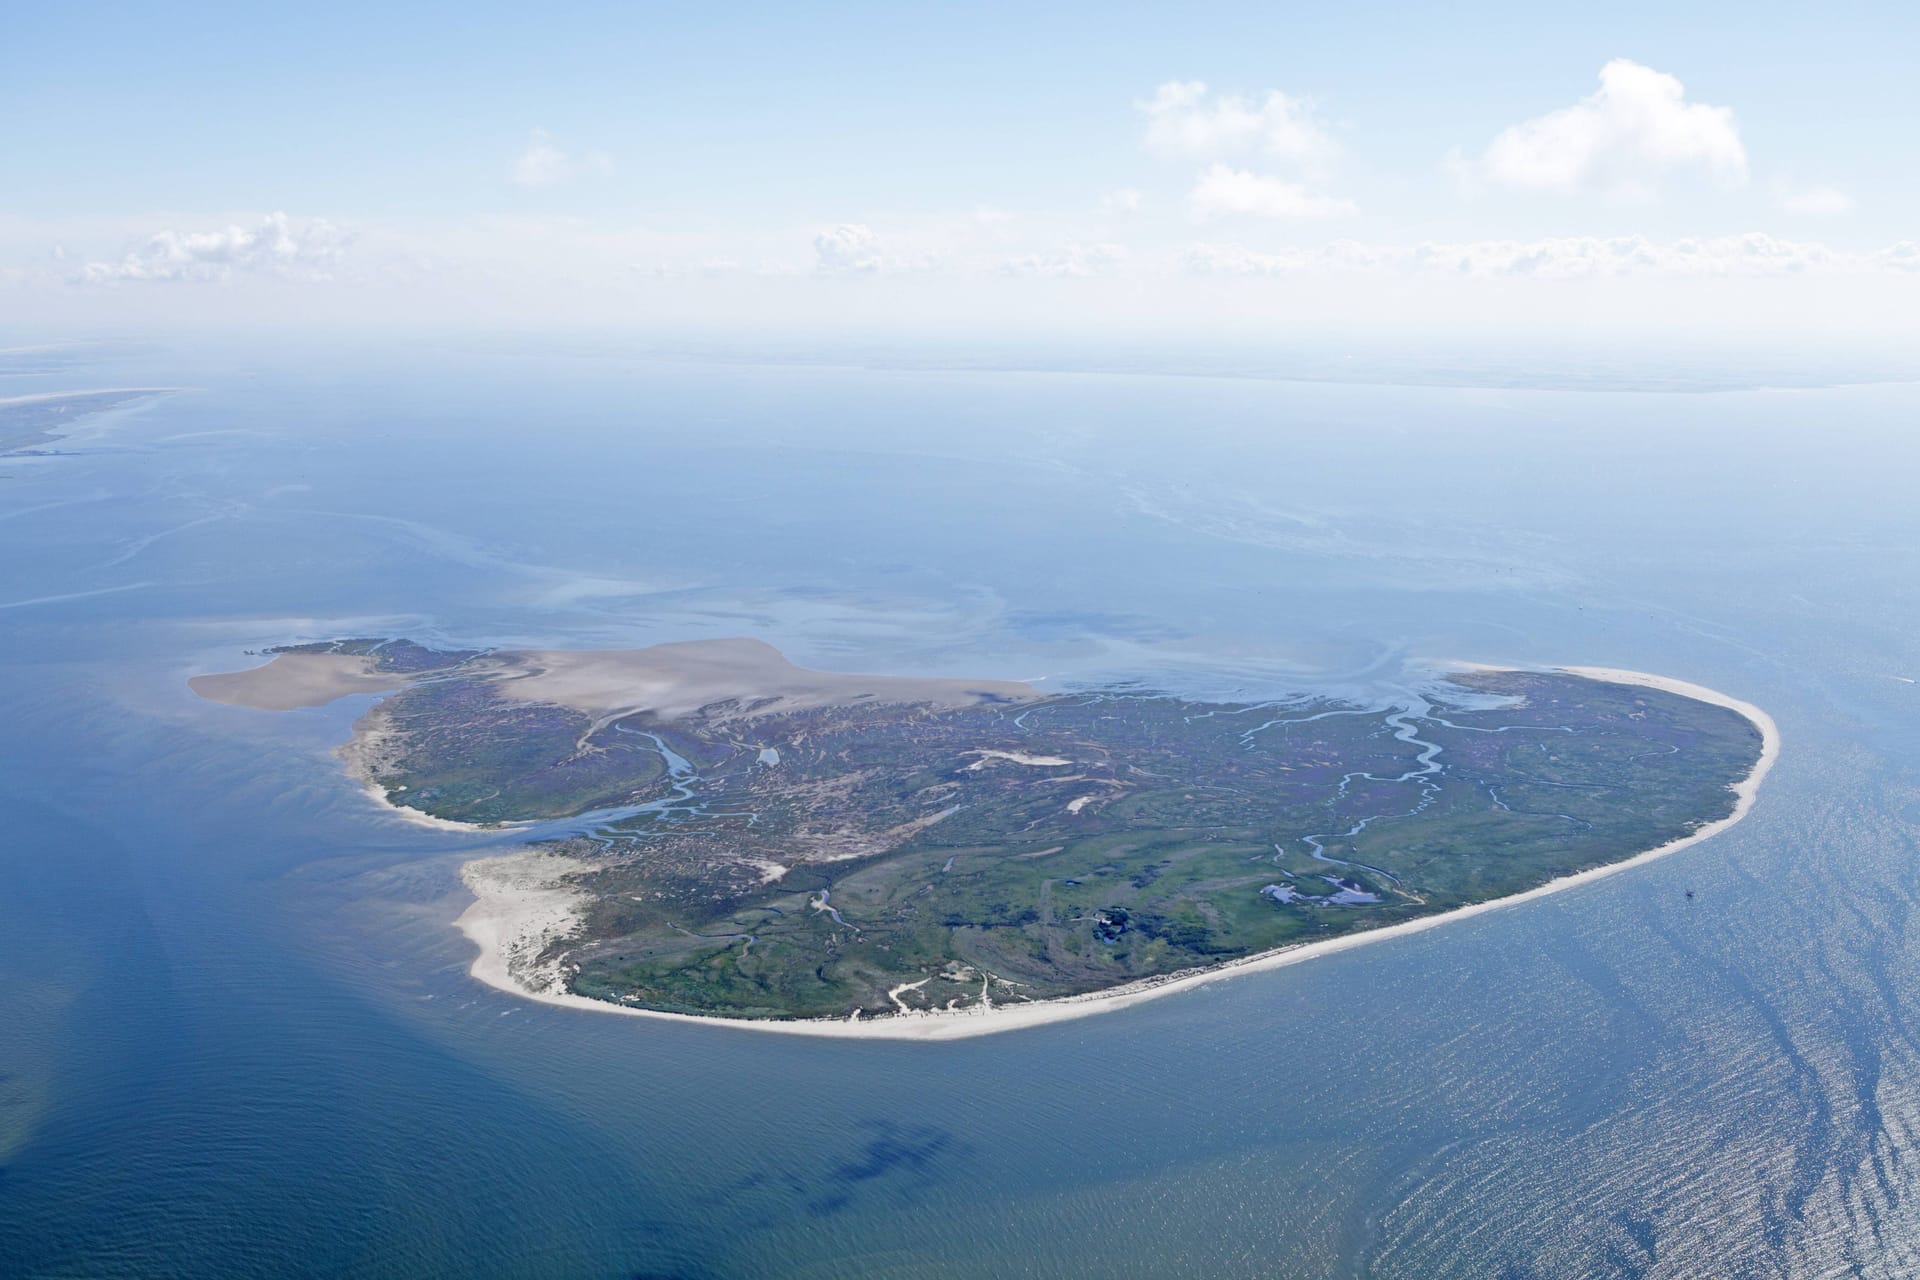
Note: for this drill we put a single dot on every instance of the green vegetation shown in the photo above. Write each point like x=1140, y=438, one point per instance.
x=810, y=863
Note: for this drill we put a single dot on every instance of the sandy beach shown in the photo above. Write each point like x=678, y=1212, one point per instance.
x=521, y=905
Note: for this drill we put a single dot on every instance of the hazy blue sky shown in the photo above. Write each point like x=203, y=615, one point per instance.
x=1226, y=163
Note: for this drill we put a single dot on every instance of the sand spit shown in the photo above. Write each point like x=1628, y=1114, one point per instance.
x=294, y=680
x=527, y=904
x=674, y=680
x=667, y=680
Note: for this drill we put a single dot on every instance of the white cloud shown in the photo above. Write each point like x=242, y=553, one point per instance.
x=848, y=249
x=1075, y=261
x=543, y=164
x=291, y=248
x=1903, y=256
x=1184, y=120
x=1754, y=254
x=1813, y=201
x=707, y=268
x=1555, y=258
x=1620, y=141
x=1226, y=192
x=1121, y=200
x=1238, y=260
x=1570, y=257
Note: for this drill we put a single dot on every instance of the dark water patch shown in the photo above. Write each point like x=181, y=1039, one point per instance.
x=901, y=1163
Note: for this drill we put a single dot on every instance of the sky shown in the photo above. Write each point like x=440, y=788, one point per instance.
x=1230, y=169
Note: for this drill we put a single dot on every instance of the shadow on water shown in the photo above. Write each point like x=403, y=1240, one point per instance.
x=898, y=1161
x=877, y=1163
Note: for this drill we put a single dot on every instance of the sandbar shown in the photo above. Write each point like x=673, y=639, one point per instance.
x=294, y=680
x=670, y=681
x=677, y=679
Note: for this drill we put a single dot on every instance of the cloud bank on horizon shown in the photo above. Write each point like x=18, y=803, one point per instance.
x=1200, y=202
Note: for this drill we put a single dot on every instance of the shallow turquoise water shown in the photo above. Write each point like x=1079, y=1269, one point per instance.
x=238, y=1034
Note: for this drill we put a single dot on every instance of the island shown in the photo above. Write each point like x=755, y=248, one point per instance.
x=714, y=832
x=33, y=420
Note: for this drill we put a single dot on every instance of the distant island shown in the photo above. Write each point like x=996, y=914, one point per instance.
x=27, y=422
x=806, y=850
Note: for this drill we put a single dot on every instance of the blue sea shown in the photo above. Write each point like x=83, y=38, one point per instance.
x=237, y=1034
